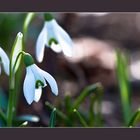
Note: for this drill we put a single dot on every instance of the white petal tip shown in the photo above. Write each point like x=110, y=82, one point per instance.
x=55, y=93
x=68, y=54
x=29, y=102
x=39, y=60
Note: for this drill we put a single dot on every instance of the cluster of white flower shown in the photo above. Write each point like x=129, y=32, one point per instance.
x=53, y=36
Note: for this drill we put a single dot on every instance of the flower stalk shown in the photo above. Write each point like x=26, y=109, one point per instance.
x=14, y=65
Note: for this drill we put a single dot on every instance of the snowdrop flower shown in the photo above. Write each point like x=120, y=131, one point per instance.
x=53, y=36
x=35, y=80
x=4, y=60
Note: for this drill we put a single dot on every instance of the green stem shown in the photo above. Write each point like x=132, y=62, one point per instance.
x=11, y=108
x=29, y=17
x=21, y=53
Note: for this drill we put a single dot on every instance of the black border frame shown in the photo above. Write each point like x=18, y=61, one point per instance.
x=69, y=6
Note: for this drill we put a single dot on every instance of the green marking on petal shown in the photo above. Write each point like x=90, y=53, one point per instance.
x=39, y=83
x=48, y=17
x=52, y=40
x=28, y=59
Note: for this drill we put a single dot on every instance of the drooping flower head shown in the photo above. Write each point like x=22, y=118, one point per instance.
x=35, y=80
x=4, y=60
x=53, y=36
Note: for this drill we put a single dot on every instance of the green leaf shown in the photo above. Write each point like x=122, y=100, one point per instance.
x=135, y=118
x=86, y=92
x=29, y=17
x=82, y=120
x=91, y=112
x=58, y=112
x=53, y=118
x=16, y=49
x=124, y=85
x=68, y=104
x=3, y=100
x=2, y=117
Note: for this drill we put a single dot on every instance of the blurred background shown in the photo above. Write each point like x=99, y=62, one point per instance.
x=96, y=37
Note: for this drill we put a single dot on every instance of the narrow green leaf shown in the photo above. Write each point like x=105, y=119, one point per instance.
x=29, y=17
x=86, y=92
x=53, y=118
x=82, y=120
x=3, y=100
x=68, y=104
x=124, y=85
x=91, y=112
x=58, y=112
x=135, y=118
x=2, y=117
x=16, y=49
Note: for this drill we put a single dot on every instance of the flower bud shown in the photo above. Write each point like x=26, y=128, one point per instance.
x=28, y=59
x=48, y=17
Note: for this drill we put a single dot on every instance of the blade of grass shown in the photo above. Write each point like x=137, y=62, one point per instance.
x=91, y=112
x=86, y=92
x=135, y=118
x=83, y=122
x=2, y=116
x=58, y=112
x=124, y=85
x=98, y=117
x=68, y=104
x=29, y=17
x=52, y=118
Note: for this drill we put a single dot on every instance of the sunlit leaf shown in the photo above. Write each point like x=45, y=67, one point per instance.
x=135, y=118
x=86, y=92
x=82, y=120
x=52, y=118
x=124, y=85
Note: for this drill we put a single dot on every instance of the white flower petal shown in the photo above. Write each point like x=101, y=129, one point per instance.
x=64, y=39
x=50, y=32
x=16, y=50
x=66, y=48
x=50, y=80
x=38, y=93
x=5, y=61
x=37, y=74
x=29, y=86
x=56, y=48
x=40, y=44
